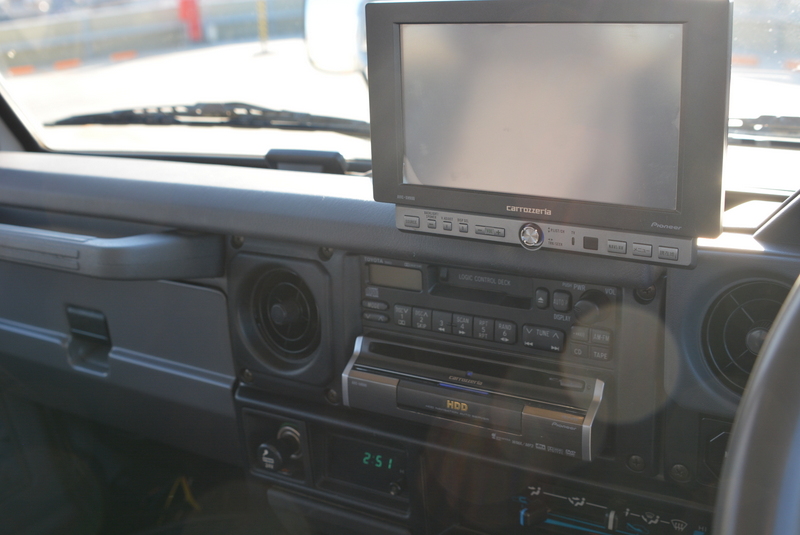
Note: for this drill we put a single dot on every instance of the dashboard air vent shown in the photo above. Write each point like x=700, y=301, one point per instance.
x=736, y=326
x=286, y=313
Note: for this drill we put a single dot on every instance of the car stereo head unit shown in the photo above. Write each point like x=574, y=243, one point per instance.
x=592, y=126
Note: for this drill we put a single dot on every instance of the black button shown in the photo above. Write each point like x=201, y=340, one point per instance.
x=374, y=305
x=402, y=315
x=562, y=301
x=422, y=318
x=483, y=328
x=462, y=325
x=375, y=316
x=600, y=336
x=442, y=322
x=505, y=332
x=543, y=338
x=591, y=244
x=542, y=298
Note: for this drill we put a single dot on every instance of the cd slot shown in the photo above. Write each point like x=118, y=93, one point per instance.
x=485, y=297
x=528, y=416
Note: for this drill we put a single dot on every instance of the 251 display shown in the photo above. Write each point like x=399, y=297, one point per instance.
x=366, y=464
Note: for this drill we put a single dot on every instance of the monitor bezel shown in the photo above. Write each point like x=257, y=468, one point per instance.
x=703, y=116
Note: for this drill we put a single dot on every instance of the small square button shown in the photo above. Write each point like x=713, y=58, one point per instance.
x=462, y=325
x=432, y=223
x=483, y=329
x=592, y=244
x=447, y=225
x=442, y=322
x=463, y=227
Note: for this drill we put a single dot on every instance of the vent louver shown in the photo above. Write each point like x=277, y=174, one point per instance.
x=736, y=326
x=286, y=313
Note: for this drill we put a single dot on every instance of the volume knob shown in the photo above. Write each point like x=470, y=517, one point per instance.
x=531, y=236
x=593, y=306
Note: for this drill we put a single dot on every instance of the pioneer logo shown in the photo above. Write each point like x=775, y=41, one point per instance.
x=664, y=227
x=524, y=210
x=564, y=426
x=457, y=405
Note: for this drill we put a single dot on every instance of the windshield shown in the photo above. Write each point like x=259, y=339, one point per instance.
x=65, y=58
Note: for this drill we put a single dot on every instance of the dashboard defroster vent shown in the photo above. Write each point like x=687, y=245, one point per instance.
x=286, y=313
x=736, y=326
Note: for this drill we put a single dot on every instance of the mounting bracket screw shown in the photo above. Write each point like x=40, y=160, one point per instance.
x=636, y=463
x=680, y=473
x=247, y=376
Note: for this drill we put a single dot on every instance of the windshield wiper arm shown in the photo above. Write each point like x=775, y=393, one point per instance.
x=766, y=125
x=232, y=114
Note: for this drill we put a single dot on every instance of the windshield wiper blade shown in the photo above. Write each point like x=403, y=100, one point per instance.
x=766, y=125
x=232, y=114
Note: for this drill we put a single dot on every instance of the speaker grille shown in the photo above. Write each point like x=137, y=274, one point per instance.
x=735, y=328
x=286, y=313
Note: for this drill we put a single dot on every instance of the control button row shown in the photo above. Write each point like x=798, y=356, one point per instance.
x=411, y=221
x=644, y=250
x=562, y=301
x=585, y=334
x=488, y=329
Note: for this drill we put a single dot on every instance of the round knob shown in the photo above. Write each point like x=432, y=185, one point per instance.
x=531, y=236
x=284, y=313
x=396, y=488
x=591, y=307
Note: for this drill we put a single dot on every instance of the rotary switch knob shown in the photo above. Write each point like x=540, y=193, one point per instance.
x=531, y=236
x=592, y=307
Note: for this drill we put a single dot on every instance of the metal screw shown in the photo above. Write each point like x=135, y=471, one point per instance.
x=237, y=242
x=646, y=295
x=332, y=396
x=680, y=473
x=636, y=463
x=247, y=376
x=325, y=253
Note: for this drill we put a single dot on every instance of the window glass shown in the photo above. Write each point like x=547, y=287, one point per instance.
x=62, y=58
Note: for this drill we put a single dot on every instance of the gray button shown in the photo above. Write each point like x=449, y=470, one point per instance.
x=642, y=249
x=600, y=353
x=442, y=322
x=411, y=221
x=374, y=316
x=483, y=329
x=402, y=315
x=542, y=298
x=374, y=305
x=617, y=247
x=505, y=332
x=543, y=338
x=447, y=225
x=462, y=325
x=579, y=350
x=422, y=318
x=579, y=334
x=463, y=227
x=490, y=231
x=562, y=301
x=599, y=336
x=431, y=223
x=668, y=253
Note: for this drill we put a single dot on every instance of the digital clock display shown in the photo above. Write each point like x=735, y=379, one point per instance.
x=366, y=464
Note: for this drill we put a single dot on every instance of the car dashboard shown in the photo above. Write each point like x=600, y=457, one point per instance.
x=365, y=379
